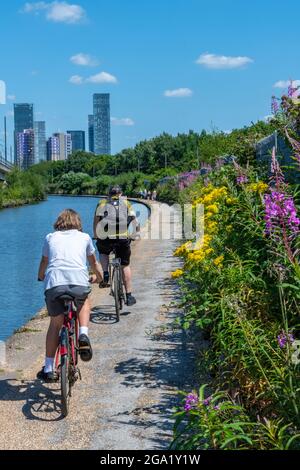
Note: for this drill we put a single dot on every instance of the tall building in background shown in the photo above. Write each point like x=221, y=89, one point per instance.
x=23, y=120
x=91, y=132
x=25, y=149
x=40, y=141
x=59, y=146
x=102, y=140
x=78, y=140
x=53, y=153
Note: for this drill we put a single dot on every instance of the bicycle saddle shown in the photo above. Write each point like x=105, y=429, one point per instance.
x=66, y=297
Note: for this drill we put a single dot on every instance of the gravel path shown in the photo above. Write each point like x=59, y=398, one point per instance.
x=128, y=392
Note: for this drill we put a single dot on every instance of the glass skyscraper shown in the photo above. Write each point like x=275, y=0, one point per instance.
x=40, y=141
x=91, y=132
x=53, y=150
x=78, y=140
x=23, y=120
x=102, y=140
x=25, y=149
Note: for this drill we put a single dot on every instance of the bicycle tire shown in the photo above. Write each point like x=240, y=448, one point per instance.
x=64, y=375
x=121, y=289
x=116, y=292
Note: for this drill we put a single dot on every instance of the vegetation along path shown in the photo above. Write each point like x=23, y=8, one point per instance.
x=128, y=391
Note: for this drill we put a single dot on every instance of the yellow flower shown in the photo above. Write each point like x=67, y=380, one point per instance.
x=229, y=228
x=259, y=187
x=183, y=249
x=218, y=261
x=213, y=208
x=177, y=273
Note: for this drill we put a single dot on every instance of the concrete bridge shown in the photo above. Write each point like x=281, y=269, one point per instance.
x=5, y=167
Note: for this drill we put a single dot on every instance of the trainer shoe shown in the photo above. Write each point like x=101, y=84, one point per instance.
x=85, y=348
x=48, y=377
x=130, y=300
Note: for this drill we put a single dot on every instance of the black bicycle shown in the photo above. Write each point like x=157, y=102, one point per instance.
x=116, y=284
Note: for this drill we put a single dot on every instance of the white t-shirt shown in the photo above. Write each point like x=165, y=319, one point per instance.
x=67, y=252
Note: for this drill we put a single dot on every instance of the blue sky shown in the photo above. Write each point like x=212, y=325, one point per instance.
x=169, y=65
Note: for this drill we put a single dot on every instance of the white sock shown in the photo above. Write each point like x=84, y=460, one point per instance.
x=83, y=330
x=49, y=364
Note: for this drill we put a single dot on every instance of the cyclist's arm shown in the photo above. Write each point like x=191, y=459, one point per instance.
x=95, y=267
x=43, y=268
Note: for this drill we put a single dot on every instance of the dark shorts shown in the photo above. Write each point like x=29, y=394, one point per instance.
x=56, y=306
x=123, y=250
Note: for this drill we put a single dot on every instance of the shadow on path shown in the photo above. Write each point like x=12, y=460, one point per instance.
x=168, y=366
x=41, y=403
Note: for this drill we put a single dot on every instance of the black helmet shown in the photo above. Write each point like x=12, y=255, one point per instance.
x=115, y=190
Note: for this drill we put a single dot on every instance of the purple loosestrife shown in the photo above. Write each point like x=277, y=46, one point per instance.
x=280, y=209
x=292, y=90
x=275, y=105
x=191, y=401
x=241, y=179
x=207, y=401
x=186, y=179
x=285, y=338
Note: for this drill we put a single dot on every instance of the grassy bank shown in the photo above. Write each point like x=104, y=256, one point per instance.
x=21, y=188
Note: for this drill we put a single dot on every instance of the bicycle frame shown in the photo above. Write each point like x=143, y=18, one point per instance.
x=69, y=335
x=67, y=355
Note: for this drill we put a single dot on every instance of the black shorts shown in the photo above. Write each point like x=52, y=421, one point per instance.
x=56, y=307
x=122, y=246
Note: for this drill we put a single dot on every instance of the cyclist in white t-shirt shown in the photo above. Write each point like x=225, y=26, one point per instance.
x=63, y=269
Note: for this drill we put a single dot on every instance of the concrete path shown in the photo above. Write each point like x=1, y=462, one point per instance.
x=128, y=392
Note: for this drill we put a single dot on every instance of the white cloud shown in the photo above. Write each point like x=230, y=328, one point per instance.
x=11, y=97
x=213, y=61
x=102, y=77
x=58, y=12
x=286, y=83
x=76, y=80
x=34, y=7
x=122, y=121
x=178, y=93
x=84, y=60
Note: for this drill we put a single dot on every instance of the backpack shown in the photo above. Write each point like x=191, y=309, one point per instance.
x=114, y=216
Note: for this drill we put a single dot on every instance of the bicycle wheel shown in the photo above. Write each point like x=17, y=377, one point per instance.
x=116, y=281
x=64, y=373
x=121, y=289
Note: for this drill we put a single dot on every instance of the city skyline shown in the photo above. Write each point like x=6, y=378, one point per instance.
x=185, y=62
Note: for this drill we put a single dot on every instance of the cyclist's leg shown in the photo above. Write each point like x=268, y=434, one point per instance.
x=52, y=338
x=83, y=304
x=56, y=312
x=104, y=248
x=123, y=251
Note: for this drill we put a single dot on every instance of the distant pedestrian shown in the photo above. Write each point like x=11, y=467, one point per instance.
x=145, y=193
x=154, y=195
x=149, y=195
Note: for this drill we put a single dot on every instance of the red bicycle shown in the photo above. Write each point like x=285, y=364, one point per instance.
x=66, y=360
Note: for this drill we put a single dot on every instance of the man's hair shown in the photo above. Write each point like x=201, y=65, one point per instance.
x=115, y=190
x=68, y=220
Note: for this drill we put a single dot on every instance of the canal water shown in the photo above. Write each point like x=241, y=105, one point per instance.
x=22, y=232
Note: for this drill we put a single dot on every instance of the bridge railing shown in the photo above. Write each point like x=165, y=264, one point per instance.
x=5, y=163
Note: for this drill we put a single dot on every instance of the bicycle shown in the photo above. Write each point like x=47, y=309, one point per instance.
x=116, y=284
x=67, y=353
